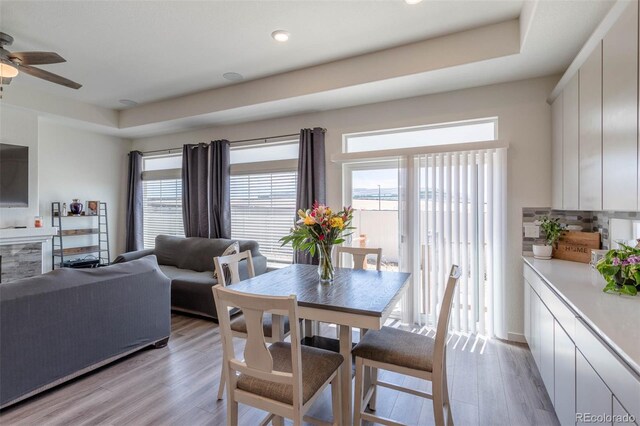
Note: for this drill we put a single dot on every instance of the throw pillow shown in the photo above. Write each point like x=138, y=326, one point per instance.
x=234, y=248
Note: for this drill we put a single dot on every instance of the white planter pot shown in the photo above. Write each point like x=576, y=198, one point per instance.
x=542, y=252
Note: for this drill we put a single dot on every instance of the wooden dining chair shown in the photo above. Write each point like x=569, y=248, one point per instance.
x=283, y=379
x=359, y=255
x=410, y=354
x=228, y=268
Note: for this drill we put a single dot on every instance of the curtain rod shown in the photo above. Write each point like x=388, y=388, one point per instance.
x=168, y=150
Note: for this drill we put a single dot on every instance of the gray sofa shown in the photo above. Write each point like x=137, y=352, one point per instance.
x=188, y=262
x=61, y=324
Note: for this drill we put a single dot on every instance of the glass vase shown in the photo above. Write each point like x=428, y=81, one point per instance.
x=325, y=265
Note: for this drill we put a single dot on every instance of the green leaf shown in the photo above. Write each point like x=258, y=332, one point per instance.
x=630, y=290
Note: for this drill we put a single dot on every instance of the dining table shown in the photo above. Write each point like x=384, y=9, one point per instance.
x=354, y=299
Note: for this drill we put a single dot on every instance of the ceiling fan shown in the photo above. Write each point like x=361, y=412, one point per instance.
x=11, y=63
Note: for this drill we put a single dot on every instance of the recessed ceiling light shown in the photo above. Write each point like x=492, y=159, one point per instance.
x=280, y=35
x=128, y=102
x=233, y=76
x=412, y=1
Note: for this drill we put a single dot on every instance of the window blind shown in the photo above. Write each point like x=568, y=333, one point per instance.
x=463, y=216
x=162, y=209
x=263, y=208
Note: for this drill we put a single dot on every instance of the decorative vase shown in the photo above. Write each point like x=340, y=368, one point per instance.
x=542, y=252
x=76, y=207
x=325, y=265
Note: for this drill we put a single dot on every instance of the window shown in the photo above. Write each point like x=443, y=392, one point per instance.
x=263, y=208
x=440, y=134
x=162, y=197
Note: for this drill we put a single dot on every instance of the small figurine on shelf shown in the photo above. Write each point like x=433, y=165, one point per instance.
x=64, y=209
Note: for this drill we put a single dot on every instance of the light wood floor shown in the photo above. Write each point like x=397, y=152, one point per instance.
x=491, y=383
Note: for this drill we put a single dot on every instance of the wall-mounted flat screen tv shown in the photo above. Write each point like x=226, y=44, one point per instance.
x=14, y=175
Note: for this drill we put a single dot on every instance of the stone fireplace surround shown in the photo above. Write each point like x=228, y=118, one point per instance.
x=21, y=252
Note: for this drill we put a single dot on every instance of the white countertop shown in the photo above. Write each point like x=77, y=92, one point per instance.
x=614, y=318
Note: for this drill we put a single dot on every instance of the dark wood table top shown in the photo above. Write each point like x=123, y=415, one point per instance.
x=362, y=292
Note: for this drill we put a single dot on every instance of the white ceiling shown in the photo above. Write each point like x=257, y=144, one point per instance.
x=151, y=50
x=154, y=50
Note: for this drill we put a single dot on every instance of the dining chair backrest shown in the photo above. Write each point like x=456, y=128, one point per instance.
x=228, y=267
x=359, y=255
x=257, y=361
x=442, y=328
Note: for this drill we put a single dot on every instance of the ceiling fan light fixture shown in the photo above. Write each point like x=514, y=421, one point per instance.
x=8, y=71
x=412, y=1
x=280, y=35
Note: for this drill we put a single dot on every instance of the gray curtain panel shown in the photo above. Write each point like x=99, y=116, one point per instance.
x=206, y=206
x=311, y=178
x=133, y=225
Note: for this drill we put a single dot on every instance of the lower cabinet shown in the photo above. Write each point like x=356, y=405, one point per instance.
x=585, y=380
x=564, y=376
x=593, y=397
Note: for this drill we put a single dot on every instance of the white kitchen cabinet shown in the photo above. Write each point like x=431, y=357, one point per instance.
x=620, y=415
x=546, y=365
x=556, y=152
x=592, y=395
x=527, y=311
x=570, y=144
x=620, y=113
x=590, y=141
x=564, y=376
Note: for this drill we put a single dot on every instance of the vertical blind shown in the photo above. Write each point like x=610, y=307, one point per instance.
x=162, y=209
x=462, y=221
x=263, y=208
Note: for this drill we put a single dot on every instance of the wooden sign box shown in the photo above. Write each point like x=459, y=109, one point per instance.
x=576, y=246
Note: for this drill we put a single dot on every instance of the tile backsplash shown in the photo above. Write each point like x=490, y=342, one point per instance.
x=594, y=221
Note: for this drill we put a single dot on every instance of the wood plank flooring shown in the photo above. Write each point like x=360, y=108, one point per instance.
x=491, y=383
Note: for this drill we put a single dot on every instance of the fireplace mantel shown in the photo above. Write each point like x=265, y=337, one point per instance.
x=26, y=235
x=21, y=252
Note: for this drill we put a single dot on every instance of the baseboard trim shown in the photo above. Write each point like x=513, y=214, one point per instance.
x=516, y=337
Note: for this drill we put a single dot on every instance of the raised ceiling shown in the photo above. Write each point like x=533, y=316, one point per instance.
x=156, y=52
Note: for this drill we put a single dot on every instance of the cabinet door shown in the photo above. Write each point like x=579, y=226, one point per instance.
x=534, y=344
x=592, y=395
x=570, y=145
x=620, y=415
x=546, y=349
x=556, y=152
x=620, y=113
x=527, y=312
x=590, y=185
x=564, y=376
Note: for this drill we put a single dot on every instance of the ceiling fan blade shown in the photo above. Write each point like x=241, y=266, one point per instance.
x=37, y=58
x=49, y=76
x=5, y=80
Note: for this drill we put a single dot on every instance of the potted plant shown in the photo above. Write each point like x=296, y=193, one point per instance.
x=621, y=270
x=317, y=231
x=553, y=230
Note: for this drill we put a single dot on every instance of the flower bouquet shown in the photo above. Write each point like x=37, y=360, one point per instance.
x=621, y=269
x=318, y=230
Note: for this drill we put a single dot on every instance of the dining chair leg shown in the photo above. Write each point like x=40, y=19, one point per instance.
x=222, y=381
x=358, y=393
x=277, y=421
x=232, y=412
x=335, y=400
x=437, y=388
x=445, y=391
x=373, y=379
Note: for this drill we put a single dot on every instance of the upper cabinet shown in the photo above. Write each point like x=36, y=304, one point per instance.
x=556, y=153
x=570, y=145
x=595, y=125
x=590, y=150
x=620, y=113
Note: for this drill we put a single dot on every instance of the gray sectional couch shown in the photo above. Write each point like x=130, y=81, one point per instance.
x=61, y=324
x=188, y=262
